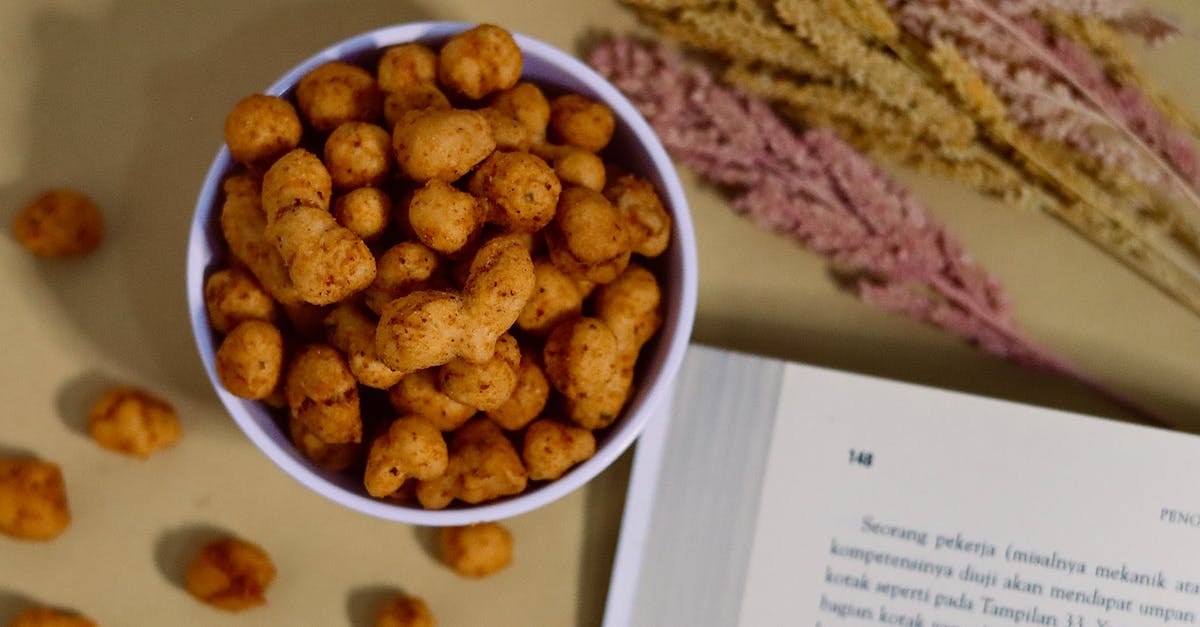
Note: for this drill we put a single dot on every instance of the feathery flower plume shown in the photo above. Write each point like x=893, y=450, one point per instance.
x=816, y=189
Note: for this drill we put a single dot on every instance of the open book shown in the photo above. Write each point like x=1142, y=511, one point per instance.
x=784, y=494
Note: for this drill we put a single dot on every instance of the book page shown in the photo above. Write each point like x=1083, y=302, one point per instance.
x=892, y=504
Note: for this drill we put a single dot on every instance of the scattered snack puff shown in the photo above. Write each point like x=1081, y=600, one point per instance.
x=446, y=237
x=60, y=223
x=49, y=617
x=33, y=499
x=133, y=422
x=405, y=611
x=477, y=550
x=230, y=574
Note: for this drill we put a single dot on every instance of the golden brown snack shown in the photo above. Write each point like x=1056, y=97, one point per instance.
x=526, y=104
x=519, y=190
x=401, y=270
x=483, y=466
x=33, y=499
x=353, y=333
x=49, y=617
x=477, y=550
x=528, y=398
x=405, y=611
x=588, y=238
x=575, y=166
x=645, y=217
x=261, y=129
x=632, y=307
x=250, y=359
x=427, y=328
x=510, y=133
x=410, y=448
x=444, y=145
x=480, y=61
x=325, y=261
x=59, y=223
x=233, y=295
x=333, y=456
x=580, y=356
x=413, y=98
x=135, y=422
x=366, y=211
x=418, y=393
x=335, y=93
x=443, y=217
x=231, y=574
x=556, y=297
x=551, y=448
x=581, y=122
x=406, y=65
x=323, y=394
x=486, y=385
x=358, y=154
x=244, y=225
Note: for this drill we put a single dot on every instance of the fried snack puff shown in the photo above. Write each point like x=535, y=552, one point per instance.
x=335, y=93
x=410, y=448
x=485, y=385
x=401, y=270
x=551, y=448
x=418, y=393
x=483, y=466
x=353, y=333
x=476, y=550
x=632, y=307
x=556, y=297
x=49, y=617
x=518, y=189
x=444, y=218
x=366, y=211
x=59, y=223
x=526, y=104
x=588, y=238
x=323, y=394
x=581, y=122
x=575, y=166
x=509, y=133
x=646, y=220
x=429, y=328
x=413, y=98
x=332, y=456
x=244, y=225
x=358, y=154
x=33, y=499
x=480, y=61
x=406, y=65
x=230, y=574
x=528, y=398
x=405, y=611
x=250, y=360
x=325, y=261
x=232, y=296
x=581, y=357
x=261, y=129
x=443, y=145
x=134, y=422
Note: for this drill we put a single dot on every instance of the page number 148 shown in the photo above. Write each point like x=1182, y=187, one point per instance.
x=861, y=458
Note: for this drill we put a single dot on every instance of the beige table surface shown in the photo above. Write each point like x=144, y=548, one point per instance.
x=125, y=99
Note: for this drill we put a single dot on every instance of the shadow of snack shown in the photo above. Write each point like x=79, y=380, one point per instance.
x=8, y=450
x=428, y=540
x=75, y=398
x=12, y=603
x=363, y=603
x=176, y=548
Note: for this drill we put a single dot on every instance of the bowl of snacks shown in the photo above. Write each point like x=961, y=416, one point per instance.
x=441, y=273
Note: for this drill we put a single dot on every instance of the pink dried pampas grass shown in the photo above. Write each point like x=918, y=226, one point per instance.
x=816, y=189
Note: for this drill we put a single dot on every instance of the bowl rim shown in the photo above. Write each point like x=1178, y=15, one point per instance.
x=618, y=440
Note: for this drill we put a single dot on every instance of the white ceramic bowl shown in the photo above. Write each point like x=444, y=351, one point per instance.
x=634, y=144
